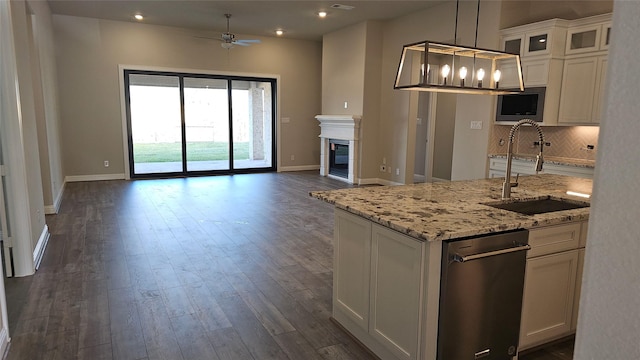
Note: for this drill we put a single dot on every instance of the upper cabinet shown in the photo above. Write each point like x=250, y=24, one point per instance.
x=544, y=39
x=585, y=70
x=569, y=59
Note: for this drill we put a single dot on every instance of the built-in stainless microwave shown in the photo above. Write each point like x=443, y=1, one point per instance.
x=525, y=105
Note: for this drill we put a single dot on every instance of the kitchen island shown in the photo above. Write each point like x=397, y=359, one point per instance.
x=388, y=248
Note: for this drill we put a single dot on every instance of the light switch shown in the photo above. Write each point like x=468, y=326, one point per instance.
x=286, y=120
x=476, y=125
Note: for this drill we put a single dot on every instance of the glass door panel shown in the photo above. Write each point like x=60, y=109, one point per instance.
x=206, y=108
x=252, y=122
x=155, y=124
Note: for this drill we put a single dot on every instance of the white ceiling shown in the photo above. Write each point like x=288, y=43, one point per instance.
x=298, y=19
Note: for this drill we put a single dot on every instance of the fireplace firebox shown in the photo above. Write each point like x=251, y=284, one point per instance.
x=339, y=158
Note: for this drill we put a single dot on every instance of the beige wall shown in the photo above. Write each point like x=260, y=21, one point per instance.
x=46, y=95
x=343, y=69
x=88, y=52
x=397, y=125
x=351, y=66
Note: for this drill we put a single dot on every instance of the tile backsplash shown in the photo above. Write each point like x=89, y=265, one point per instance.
x=566, y=141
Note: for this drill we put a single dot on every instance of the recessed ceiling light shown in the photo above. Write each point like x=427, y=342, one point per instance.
x=138, y=16
x=279, y=32
x=342, y=7
x=322, y=14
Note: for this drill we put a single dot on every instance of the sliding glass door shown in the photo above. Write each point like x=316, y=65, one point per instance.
x=192, y=124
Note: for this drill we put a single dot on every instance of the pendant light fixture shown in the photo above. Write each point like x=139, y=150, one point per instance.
x=439, y=67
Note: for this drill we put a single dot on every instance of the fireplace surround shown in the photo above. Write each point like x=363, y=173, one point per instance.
x=342, y=129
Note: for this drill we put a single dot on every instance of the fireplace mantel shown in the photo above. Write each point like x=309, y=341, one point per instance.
x=340, y=127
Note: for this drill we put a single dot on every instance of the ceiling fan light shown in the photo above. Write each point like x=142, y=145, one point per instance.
x=226, y=45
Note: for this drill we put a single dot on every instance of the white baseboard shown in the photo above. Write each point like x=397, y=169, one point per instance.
x=76, y=178
x=41, y=246
x=298, y=168
x=435, y=179
x=377, y=181
x=4, y=342
x=53, y=209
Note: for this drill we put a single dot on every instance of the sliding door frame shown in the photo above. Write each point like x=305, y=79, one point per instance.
x=274, y=79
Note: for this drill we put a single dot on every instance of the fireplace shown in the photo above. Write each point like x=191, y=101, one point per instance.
x=339, y=147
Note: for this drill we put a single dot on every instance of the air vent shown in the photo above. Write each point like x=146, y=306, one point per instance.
x=342, y=7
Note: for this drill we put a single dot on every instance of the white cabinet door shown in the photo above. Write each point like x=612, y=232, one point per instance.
x=601, y=78
x=547, y=308
x=576, y=301
x=352, y=264
x=396, y=278
x=578, y=90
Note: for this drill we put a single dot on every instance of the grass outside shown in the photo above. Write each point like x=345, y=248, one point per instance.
x=196, y=151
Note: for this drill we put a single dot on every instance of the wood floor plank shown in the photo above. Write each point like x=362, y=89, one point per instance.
x=257, y=340
x=228, y=344
x=192, y=338
x=159, y=338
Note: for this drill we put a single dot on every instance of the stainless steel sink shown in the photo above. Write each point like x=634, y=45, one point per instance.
x=539, y=205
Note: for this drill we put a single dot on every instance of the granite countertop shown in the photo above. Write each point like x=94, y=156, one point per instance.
x=557, y=160
x=450, y=210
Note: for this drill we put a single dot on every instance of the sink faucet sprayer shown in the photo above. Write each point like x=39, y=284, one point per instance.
x=507, y=185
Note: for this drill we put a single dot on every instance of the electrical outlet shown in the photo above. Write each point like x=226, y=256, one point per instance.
x=346, y=105
x=397, y=171
x=106, y=163
x=476, y=125
x=293, y=157
x=384, y=161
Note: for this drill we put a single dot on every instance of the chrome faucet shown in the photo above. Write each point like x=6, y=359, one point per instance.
x=507, y=185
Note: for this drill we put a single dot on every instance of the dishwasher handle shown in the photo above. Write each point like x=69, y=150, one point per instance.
x=459, y=258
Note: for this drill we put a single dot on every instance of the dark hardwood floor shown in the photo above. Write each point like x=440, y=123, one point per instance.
x=229, y=267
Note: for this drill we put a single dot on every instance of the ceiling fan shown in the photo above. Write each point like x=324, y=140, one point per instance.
x=229, y=39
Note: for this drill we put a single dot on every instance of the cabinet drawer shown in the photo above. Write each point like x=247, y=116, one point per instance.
x=553, y=239
x=583, y=234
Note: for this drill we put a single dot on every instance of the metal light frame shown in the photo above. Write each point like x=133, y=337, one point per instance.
x=414, y=71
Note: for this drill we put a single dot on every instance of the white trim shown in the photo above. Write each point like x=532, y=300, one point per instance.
x=417, y=178
x=123, y=107
x=435, y=179
x=101, y=177
x=378, y=181
x=53, y=209
x=41, y=246
x=298, y=168
x=4, y=342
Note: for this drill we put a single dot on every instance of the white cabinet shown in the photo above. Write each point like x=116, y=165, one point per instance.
x=396, y=269
x=583, y=81
x=552, y=283
x=352, y=256
x=576, y=299
x=547, y=306
x=541, y=39
x=378, y=285
x=583, y=39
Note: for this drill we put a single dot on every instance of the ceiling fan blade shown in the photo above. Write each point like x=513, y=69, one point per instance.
x=208, y=38
x=240, y=43
x=249, y=41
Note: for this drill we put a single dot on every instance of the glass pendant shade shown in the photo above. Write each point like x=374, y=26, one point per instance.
x=432, y=66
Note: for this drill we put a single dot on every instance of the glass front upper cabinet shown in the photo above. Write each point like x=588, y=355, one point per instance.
x=583, y=39
x=529, y=44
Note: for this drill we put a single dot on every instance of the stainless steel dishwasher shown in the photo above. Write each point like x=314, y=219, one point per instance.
x=481, y=296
